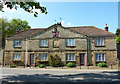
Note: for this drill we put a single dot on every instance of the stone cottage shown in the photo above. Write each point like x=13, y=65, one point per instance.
x=84, y=45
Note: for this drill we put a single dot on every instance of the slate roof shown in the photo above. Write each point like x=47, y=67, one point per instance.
x=86, y=30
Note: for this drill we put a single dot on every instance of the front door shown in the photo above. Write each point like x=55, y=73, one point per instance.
x=82, y=59
x=31, y=59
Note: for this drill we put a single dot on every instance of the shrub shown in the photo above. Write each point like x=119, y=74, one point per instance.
x=71, y=64
x=102, y=64
x=12, y=66
x=54, y=61
x=119, y=63
x=41, y=65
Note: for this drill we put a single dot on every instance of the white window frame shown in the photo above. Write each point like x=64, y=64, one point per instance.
x=43, y=43
x=99, y=56
x=42, y=57
x=17, y=42
x=99, y=42
x=16, y=56
x=68, y=55
x=69, y=42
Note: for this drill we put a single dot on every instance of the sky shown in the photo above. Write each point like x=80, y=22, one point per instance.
x=72, y=14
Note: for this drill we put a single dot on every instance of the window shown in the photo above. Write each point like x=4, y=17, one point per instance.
x=17, y=43
x=43, y=57
x=43, y=43
x=70, y=56
x=70, y=42
x=16, y=56
x=99, y=41
x=100, y=57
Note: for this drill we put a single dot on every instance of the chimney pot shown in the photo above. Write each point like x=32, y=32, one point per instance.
x=106, y=27
x=17, y=31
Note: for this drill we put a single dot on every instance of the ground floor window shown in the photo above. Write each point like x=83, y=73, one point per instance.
x=16, y=56
x=70, y=56
x=43, y=57
x=100, y=56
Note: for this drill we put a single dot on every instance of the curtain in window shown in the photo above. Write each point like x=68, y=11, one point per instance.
x=43, y=42
x=43, y=56
x=16, y=56
x=70, y=42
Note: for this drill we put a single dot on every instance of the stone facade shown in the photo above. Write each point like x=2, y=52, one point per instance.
x=58, y=46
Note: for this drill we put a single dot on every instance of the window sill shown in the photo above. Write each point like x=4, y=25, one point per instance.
x=17, y=46
x=43, y=46
x=70, y=60
x=42, y=61
x=100, y=61
x=99, y=45
x=70, y=46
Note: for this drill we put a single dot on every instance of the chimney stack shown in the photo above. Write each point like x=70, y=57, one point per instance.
x=106, y=27
x=17, y=31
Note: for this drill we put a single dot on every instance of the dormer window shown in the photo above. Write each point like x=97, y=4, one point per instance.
x=17, y=43
x=99, y=42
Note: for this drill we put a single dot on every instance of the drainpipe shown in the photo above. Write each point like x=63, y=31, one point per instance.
x=26, y=52
x=88, y=48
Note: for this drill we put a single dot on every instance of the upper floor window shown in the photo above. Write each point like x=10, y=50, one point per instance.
x=16, y=56
x=70, y=56
x=70, y=42
x=100, y=56
x=43, y=43
x=17, y=43
x=99, y=41
x=43, y=57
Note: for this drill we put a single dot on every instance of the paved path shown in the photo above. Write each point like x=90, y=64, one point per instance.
x=58, y=75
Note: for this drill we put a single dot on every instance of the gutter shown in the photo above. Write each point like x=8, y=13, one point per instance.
x=88, y=49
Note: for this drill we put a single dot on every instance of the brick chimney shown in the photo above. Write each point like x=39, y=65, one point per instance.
x=17, y=31
x=106, y=27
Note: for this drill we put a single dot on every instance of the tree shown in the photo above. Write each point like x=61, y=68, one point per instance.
x=4, y=25
x=27, y=6
x=17, y=25
x=55, y=61
x=118, y=36
x=10, y=27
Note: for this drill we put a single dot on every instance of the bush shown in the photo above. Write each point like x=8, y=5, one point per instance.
x=71, y=64
x=102, y=64
x=12, y=66
x=119, y=63
x=55, y=61
x=42, y=66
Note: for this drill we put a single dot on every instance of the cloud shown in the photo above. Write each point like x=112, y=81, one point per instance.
x=69, y=24
x=10, y=18
x=0, y=16
x=62, y=22
x=8, y=9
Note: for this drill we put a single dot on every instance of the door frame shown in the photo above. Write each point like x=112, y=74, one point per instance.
x=30, y=58
x=80, y=59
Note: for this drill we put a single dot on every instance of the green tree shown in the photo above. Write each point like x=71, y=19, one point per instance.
x=118, y=36
x=17, y=25
x=55, y=61
x=4, y=24
x=10, y=27
x=24, y=4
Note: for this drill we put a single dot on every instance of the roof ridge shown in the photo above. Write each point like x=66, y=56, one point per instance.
x=102, y=29
x=18, y=33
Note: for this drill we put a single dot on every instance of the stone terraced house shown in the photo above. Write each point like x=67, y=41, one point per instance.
x=85, y=45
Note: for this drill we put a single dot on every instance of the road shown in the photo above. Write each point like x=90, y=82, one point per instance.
x=58, y=75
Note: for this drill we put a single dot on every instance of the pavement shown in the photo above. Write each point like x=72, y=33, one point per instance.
x=58, y=75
